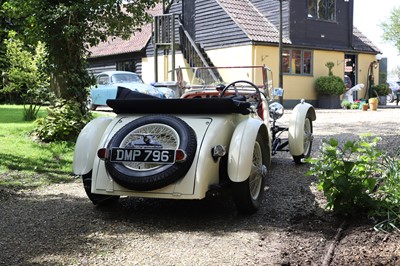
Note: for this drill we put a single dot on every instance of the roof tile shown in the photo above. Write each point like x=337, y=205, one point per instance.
x=251, y=21
x=117, y=45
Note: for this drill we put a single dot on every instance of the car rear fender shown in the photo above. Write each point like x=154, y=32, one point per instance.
x=87, y=144
x=241, y=148
x=296, y=127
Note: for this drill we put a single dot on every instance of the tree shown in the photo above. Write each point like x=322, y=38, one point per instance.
x=69, y=28
x=391, y=28
x=4, y=27
x=26, y=75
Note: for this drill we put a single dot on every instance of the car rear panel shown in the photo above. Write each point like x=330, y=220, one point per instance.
x=210, y=130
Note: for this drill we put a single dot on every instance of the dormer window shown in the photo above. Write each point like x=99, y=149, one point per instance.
x=322, y=9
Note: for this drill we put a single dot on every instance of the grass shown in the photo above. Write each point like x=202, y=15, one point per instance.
x=26, y=163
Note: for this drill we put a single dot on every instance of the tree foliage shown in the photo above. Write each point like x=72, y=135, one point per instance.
x=69, y=28
x=25, y=76
x=391, y=28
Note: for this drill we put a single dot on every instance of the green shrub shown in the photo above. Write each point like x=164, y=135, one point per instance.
x=348, y=175
x=345, y=104
x=381, y=89
x=389, y=196
x=330, y=85
x=63, y=123
x=355, y=106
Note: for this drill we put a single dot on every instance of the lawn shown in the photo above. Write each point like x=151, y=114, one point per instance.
x=26, y=163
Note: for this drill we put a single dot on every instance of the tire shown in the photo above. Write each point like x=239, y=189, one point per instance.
x=171, y=133
x=97, y=199
x=248, y=195
x=307, y=141
x=90, y=105
x=390, y=97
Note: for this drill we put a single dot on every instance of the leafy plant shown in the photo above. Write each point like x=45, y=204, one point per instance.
x=63, y=123
x=330, y=66
x=355, y=106
x=348, y=175
x=345, y=104
x=330, y=85
x=389, y=196
x=381, y=89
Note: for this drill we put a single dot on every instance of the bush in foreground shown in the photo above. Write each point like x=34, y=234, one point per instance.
x=358, y=178
x=63, y=122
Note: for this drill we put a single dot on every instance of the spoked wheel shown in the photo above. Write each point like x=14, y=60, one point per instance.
x=160, y=132
x=249, y=194
x=307, y=140
x=97, y=199
x=390, y=97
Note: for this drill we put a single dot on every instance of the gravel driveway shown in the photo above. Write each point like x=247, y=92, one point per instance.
x=57, y=225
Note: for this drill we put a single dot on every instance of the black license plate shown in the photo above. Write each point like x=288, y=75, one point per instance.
x=158, y=156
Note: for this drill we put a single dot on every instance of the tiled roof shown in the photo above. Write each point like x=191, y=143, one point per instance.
x=116, y=45
x=362, y=43
x=251, y=21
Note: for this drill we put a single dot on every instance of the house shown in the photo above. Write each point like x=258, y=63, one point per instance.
x=246, y=32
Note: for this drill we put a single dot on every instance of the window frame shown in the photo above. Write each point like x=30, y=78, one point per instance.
x=313, y=11
x=288, y=61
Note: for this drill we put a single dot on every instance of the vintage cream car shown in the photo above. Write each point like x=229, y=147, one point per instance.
x=219, y=134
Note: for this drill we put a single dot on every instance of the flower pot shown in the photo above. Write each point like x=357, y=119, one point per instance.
x=329, y=101
x=382, y=100
x=373, y=104
x=364, y=107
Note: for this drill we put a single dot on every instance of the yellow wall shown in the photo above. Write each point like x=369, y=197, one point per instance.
x=164, y=67
x=296, y=86
x=364, y=61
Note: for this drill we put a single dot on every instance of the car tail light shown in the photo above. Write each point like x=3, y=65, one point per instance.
x=180, y=156
x=102, y=153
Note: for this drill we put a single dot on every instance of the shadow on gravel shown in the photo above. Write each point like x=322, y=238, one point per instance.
x=60, y=229
x=47, y=229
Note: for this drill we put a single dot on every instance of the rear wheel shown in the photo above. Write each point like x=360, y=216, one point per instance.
x=249, y=194
x=162, y=131
x=97, y=199
x=307, y=140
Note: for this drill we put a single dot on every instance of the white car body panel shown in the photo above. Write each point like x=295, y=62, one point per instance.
x=241, y=149
x=204, y=171
x=87, y=144
x=296, y=127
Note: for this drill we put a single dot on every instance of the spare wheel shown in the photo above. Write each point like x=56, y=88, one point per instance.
x=149, y=136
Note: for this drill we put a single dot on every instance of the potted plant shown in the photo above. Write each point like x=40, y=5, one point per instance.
x=329, y=88
x=345, y=104
x=355, y=106
x=381, y=90
x=373, y=103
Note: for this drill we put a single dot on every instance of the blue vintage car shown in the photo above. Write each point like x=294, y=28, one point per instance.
x=108, y=82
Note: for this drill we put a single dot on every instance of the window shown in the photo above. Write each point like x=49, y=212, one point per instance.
x=297, y=61
x=126, y=66
x=102, y=79
x=322, y=9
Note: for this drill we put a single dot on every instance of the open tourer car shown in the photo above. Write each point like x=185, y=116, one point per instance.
x=220, y=134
